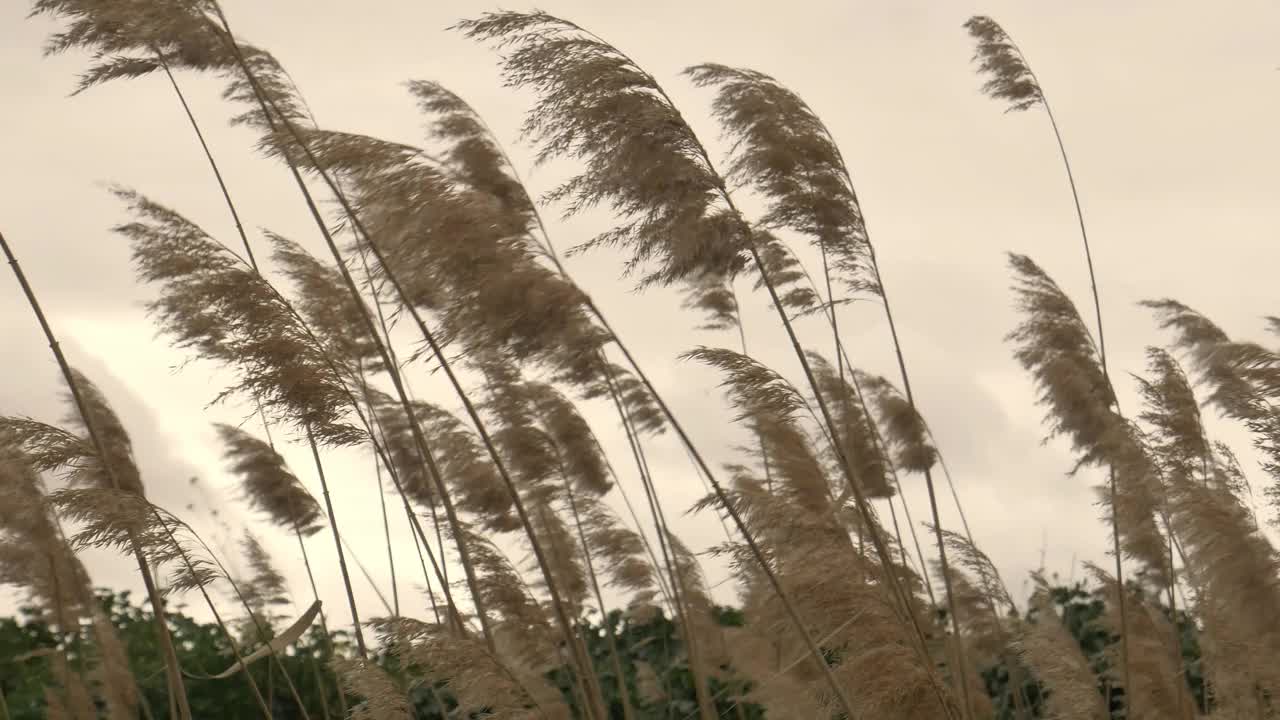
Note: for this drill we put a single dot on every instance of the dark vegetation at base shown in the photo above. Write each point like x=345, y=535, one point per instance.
x=655, y=641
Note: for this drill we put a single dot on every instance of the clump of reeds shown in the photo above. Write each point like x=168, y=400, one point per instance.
x=839, y=620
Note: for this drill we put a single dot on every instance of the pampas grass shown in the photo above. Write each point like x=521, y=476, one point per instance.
x=838, y=621
x=106, y=471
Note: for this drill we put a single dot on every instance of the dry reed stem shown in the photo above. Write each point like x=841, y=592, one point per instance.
x=173, y=673
x=1011, y=78
x=268, y=102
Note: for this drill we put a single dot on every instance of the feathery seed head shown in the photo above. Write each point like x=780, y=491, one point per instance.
x=268, y=483
x=329, y=309
x=1009, y=78
x=782, y=149
x=113, y=519
x=212, y=302
x=754, y=389
x=641, y=159
x=132, y=38
x=857, y=432
x=904, y=428
x=50, y=448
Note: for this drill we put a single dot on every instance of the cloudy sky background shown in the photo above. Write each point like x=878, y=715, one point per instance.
x=1168, y=109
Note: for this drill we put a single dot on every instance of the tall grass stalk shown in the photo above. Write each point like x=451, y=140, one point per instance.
x=213, y=164
x=438, y=566
x=370, y=286
x=701, y=684
x=252, y=260
x=886, y=559
x=337, y=542
x=263, y=635
x=663, y=532
x=723, y=498
x=293, y=527
x=271, y=112
x=386, y=534
x=269, y=107
x=615, y=657
x=324, y=623
x=217, y=617
x=1013, y=80
x=368, y=577
x=880, y=447
x=173, y=673
x=882, y=551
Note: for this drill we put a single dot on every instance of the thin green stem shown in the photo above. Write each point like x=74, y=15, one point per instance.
x=906, y=384
x=680, y=608
x=253, y=263
x=843, y=359
x=213, y=165
x=1102, y=358
x=386, y=533
x=635, y=519
x=882, y=551
x=929, y=487
x=725, y=502
x=435, y=607
x=673, y=593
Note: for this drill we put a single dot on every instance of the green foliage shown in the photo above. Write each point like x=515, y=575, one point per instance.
x=23, y=680
x=655, y=642
x=1081, y=612
x=202, y=650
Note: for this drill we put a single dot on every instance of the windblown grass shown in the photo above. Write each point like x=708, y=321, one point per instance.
x=437, y=258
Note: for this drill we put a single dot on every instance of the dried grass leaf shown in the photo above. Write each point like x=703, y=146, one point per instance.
x=278, y=644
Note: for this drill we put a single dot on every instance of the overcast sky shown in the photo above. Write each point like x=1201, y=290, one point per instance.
x=1169, y=111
